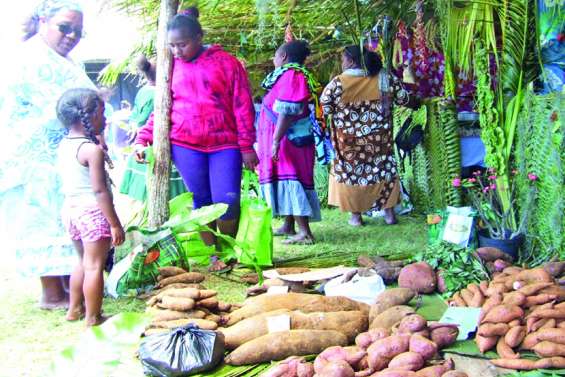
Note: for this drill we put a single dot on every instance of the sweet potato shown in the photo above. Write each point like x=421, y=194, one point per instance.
x=551, y=323
x=388, y=299
x=548, y=313
x=412, y=323
x=490, y=254
x=491, y=302
x=532, y=289
x=387, y=348
x=561, y=325
x=351, y=355
x=485, y=343
x=500, y=265
x=454, y=373
x=495, y=288
x=556, y=290
x=492, y=329
x=503, y=314
x=201, y=323
x=395, y=373
x=187, y=277
x=207, y=293
x=514, y=298
x=529, y=341
x=552, y=362
x=279, y=345
x=444, y=336
x=407, y=361
x=423, y=346
x=467, y=296
x=170, y=271
x=483, y=286
x=364, y=340
x=549, y=349
x=436, y=370
x=551, y=334
x=457, y=300
x=307, y=303
x=518, y=364
x=515, y=336
x=419, y=277
x=515, y=323
x=350, y=323
x=160, y=315
x=536, y=324
x=535, y=275
x=555, y=269
x=180, y=304
x=504, y=351
x=337, y=368
x=539, y=299
x=389, y=317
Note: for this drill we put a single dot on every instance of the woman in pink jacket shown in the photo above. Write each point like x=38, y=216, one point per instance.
x=212, y=117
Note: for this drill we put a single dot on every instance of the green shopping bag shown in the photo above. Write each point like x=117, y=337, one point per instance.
x=255, y=234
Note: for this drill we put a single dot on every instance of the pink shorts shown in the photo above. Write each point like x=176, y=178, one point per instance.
x=85, y=222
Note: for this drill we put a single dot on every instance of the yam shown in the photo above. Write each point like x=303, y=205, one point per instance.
x=171, y=271
x=224, y=307
x=201, y=323
x=192, y=293
x=160, y=315
x=517, y=298
x=490, y=254
x=389, y=298
x=419, y=277
x=207, y=293
x=492, y=329
x=444, y=336
x=350, y=323
x=280, y=345
x=503, y=314
x=209, y=303
x=423, y=346
x=176, y=303
x=389, y=317
x=504, y=351
x=306, y=303
x=389, y=274
x=150, y=332
x=407, y=361
x=515, y=336
x=386, y=349
x=187, y=277
x=549, y=349
x=214, y=318
x=454, y=373
x=436, y=370
x=412, y=323
x=485, y=343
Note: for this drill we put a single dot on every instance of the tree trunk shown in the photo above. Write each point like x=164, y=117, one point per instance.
x=159, y=183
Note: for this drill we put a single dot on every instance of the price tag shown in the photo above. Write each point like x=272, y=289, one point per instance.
x=277, y=289
x=278, y=323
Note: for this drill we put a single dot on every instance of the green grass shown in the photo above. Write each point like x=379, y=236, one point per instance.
x=29, y=337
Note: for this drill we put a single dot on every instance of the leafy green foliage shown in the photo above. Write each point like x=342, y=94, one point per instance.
x=458, y=265
x=539, y=151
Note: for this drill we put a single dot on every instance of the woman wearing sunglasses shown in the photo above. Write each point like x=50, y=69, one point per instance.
x=30, y=195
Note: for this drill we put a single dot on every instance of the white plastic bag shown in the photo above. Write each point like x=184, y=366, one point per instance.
x=359, y=288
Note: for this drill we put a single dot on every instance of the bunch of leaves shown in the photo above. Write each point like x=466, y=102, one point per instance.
x=419, y=186
x=457, y=264
x=539, y=149
x=321, y=182
x=441, y=142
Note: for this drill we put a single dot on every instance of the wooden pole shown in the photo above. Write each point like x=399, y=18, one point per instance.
x=159, y=183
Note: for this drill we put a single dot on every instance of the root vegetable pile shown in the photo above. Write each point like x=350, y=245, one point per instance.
x=521, y=309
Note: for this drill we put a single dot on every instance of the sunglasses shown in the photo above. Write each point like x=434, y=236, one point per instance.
x=68, y=29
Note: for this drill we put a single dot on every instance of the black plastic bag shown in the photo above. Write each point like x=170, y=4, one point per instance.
x=182, y=352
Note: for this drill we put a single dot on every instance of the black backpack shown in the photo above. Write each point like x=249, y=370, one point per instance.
x=408, y=138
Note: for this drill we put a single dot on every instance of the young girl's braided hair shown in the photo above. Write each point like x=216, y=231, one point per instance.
x=79, y=105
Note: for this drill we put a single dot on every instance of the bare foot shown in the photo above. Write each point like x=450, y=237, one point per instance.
x=219, y=266
x=390, y=217
x=356, y=220
x=95, y=321
x=54, y=305
x=284, y=231
x=299, y=239
x=74, y=314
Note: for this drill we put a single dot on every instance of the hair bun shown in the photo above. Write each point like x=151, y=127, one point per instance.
x=191, y=12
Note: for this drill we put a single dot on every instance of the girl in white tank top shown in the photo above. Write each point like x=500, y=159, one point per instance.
x=88, y=213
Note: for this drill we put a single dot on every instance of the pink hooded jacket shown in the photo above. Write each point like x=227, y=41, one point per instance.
x=212, y=107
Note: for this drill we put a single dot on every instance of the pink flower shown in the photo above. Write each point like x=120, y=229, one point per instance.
x=493, y=187
x=485, y=189
x=491, y=170
x=532, y=177
x=476, y=173
x=456, y=182
x=472, y=180
x=492, y=177
x=514, y=171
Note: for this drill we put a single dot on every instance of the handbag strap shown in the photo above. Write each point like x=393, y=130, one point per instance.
x=250, y=179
